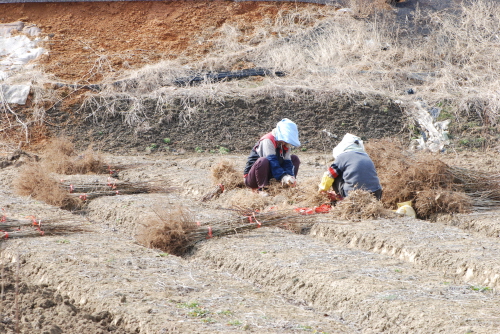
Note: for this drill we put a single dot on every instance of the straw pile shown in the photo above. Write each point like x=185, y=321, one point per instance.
x=224, y=172
x=360, y=204
x=224, y=177
x=36, y=182
x=431, y=185
x=169, y=230
x=60, y=156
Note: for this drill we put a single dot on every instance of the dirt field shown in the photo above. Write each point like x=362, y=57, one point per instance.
x=92, y=275
x=399, y=275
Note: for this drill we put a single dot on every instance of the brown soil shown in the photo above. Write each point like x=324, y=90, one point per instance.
x=121, y=35
x=384, y=275
x=354, y=276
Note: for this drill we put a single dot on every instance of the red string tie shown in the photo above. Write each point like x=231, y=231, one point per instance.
x=258, y=222
x=71, y=188
x=6, y=235
x=209, y=233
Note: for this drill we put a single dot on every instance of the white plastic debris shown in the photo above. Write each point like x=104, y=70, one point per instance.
x=17, y=51
x=435, y=134
x=14, y=93
x=345, y=10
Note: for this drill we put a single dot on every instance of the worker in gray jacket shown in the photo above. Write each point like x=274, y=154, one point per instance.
x=351, y=169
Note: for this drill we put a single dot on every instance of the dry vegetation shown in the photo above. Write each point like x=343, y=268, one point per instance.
x=224, y=172
x=430, y=184
x=360, y=205
x=322, y=51
x=60, y=156
x=169, y=230
x=35, y=182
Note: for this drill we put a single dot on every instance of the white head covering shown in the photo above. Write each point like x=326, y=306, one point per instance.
x=349, y=143
x=287, y=131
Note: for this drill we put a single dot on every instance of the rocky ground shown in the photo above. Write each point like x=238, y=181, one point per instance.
x=399, y=275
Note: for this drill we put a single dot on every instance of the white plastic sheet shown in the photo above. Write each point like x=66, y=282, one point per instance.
x=14, y=93
x=17, y=51
x=435, y=134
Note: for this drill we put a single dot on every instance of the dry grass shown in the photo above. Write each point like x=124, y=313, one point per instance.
x=431, y=185
x=360, y=204
x=169, y=230
x=325, y=51
x=432, y=201
x=305, y=194
x=224, y=172
x=35, y=182
x=248, y=199
x=402, y=173
x=60, y=156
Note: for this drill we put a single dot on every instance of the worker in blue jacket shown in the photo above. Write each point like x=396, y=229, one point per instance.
x=271, y=157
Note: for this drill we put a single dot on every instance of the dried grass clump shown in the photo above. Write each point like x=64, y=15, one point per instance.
x=225, y=173
x=305, y=193
x=360, y=204
x=35, y=182
x=61, y=157
x=431, y=185
x=169, y=230
x=429, y=202
x=248, y=199
x=402, y=175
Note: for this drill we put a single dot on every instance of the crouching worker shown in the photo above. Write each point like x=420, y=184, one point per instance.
x=352, y=169
x=271, y=157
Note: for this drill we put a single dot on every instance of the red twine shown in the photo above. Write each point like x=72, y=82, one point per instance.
x=323, y=208
x=209, y=233
x=258, y=222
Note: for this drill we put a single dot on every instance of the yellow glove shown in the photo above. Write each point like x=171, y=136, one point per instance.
x=326, y=182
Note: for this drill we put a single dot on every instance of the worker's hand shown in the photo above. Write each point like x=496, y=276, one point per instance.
x=288, y=180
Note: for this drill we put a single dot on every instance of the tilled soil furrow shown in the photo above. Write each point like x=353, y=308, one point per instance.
x=147, y=291
x=486, y=222
x=370, y=292
x=432, y=246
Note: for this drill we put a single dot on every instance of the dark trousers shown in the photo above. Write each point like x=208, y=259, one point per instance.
x=260, y=173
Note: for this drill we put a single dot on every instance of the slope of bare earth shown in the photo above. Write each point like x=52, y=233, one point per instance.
x=392, y=275
x=89, y=40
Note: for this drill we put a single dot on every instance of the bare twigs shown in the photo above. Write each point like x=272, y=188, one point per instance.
x=176, y=231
